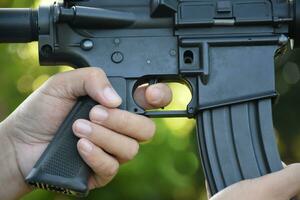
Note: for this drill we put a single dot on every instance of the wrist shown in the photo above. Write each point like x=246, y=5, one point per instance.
x=12, y=184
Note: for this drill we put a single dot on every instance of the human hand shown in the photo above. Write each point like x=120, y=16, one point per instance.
x=111, y=136
x=282, y=185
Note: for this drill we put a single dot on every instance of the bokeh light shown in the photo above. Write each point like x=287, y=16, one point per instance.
x=168, y=167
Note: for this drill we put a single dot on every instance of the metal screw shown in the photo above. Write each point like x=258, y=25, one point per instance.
x=117, y=41
x=86, y=45
x=173, y=52
x=191, y=110
x=117, y=57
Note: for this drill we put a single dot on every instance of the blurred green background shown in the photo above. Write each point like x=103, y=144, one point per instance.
x=167, y=167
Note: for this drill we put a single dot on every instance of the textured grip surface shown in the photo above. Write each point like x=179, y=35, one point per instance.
x=237, y=142
x=60, y=168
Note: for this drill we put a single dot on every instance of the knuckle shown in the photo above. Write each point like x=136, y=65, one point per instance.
x=95, y=73
x=99, y=182
x=123, y=120
x=56, y=79
x=132, y=150
x=151, y=127
x=97, y=70
x=112, y=168
x=106, y=167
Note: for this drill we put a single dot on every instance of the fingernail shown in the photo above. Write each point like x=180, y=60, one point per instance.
x=82, y=128
x=99, y=114
x=156, y=95
x=85, y=146
x=111, y=96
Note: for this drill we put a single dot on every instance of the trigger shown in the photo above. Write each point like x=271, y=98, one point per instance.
x=153, y=81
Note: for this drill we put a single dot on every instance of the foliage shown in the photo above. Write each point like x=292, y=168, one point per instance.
x=166, y=168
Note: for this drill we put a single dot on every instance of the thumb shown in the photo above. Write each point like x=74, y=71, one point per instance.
x=81, y=82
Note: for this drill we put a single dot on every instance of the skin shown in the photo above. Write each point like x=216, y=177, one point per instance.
x=282, y=185
x=28, y=130
x=110, y=138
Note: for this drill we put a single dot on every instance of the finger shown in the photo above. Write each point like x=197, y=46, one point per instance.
x=104, y=165
x=285, y=183
x=140, y=97
x=121, y=146
x=85, y=81
x=158, y=95
x=154, y=96
x=282, y=185
x=132, y=125
x=96, y=181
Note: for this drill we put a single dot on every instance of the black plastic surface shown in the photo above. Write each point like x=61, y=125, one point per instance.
x=222, y=50
x=60, y=168
x=295, y=27
x=237, y=142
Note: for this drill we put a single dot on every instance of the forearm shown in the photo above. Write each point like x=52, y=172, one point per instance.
x=12, y=185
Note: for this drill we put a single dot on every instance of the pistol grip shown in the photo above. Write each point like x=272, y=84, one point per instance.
x=60, y=168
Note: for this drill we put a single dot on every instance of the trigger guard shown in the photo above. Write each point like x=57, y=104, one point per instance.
x=191, y=82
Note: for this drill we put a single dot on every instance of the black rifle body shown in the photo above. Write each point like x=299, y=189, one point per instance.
x=222, y=50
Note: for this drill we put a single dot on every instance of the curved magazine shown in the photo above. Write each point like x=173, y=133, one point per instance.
x=237, y=142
